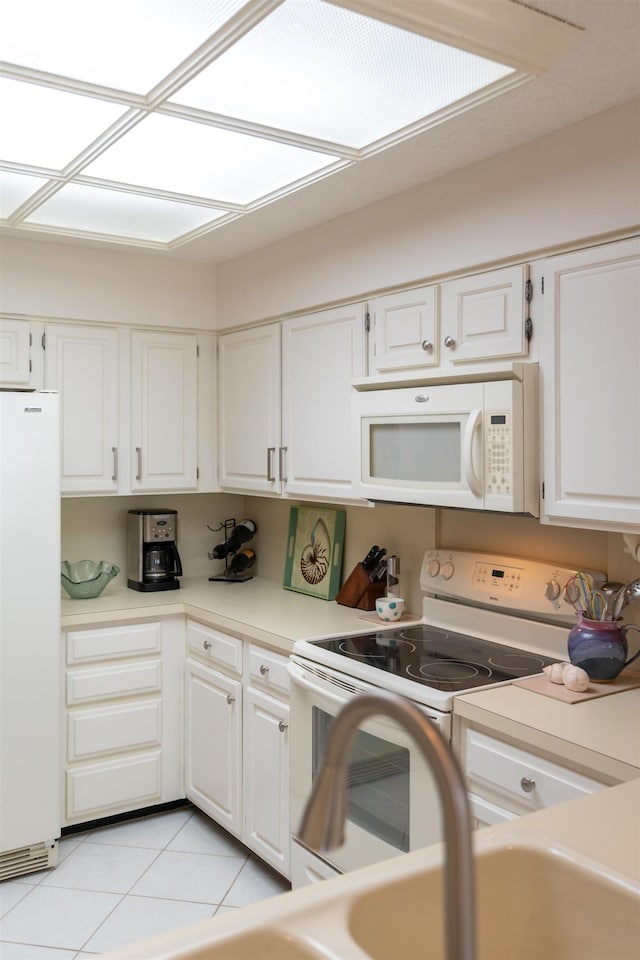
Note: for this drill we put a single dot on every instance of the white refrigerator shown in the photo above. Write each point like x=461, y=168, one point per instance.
x=30, y=710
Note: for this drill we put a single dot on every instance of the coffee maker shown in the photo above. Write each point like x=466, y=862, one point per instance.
x=153, y=561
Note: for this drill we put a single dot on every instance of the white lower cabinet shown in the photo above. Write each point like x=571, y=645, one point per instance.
x=123, y=718
x=506, y=780
x=213, y=728
x=236, y=739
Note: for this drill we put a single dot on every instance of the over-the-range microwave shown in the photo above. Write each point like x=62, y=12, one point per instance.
x=466, y=440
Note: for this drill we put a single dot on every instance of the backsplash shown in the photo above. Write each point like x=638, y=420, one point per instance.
x=94, y=528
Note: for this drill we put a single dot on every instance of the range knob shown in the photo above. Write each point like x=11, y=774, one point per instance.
x=552, y=589
x=447, y=570
x=433, y=568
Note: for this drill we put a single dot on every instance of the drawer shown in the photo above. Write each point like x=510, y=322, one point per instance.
x=111, y=643
x=269, y=669
x=126, y=784
x=109, y=682
x=129, y=726
x=522, y=777
x=215, y=647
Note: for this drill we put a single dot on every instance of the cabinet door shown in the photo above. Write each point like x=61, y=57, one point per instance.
x=164, y=410
x=249, y=409
x=266, y=778
x=15, y=350
x=321, y=354
x=405, y=331
x=591, y=387
x=483, y=317
x=82, y=363
x=213, y=744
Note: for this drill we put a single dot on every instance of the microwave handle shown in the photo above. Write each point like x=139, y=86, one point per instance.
x=473, y=480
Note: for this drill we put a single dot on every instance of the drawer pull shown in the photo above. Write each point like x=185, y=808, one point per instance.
x=264, y=669
x=206, y=644
x=527, y=784
x=230, y=699
x=282, y=726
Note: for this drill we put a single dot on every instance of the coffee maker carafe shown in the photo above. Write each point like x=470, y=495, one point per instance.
x=153, y=561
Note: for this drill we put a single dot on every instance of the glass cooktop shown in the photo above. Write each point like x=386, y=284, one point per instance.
x=437, y=658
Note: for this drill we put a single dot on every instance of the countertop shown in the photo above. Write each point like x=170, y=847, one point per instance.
x=601, y=831
x=258, y=609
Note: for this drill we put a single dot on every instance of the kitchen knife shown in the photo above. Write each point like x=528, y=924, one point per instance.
x=371, y=558
x=379, y=570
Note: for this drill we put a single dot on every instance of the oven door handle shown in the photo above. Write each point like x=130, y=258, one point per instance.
x=298, y=676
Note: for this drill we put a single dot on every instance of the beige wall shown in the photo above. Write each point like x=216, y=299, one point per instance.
x=578, y=182
x=52, y=280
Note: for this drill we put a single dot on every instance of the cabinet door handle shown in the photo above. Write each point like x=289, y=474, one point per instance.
x=206, y=644
x=270, y=454
x=282, y=726
x=264, y=669
x=527, y=784
x=139, y=456
x=114, y=451
x=281, y=461
x=449, y=342
x=230, y=699
x=427, y=346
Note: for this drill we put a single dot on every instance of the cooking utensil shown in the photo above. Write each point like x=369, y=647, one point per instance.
x=631, y=592
x=610, y=589
x=379, y=571
x=370, y=560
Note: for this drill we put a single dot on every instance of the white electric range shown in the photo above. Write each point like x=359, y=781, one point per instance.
x=487, y=620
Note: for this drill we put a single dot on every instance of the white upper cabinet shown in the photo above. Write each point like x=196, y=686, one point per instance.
x=436, y=328
x=81, y=362
x=484, y=316
x=164, y=410
x=284, y=404
x=405, y=330
x=321, y=354
x=16, y=364
x=591, y=387
x=249, y=409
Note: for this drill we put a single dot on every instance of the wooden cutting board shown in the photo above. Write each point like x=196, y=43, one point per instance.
x=557, y=691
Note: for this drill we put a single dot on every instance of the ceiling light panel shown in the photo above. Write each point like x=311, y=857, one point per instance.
x=15, y=188
x=325, y=72
x=127, y=44
x=47, y=128
x=181, y=156
x=85, y=209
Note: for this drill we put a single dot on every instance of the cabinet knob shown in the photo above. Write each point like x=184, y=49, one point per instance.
x=427, y=346
x=206, y=644
x=527, y=784
x=230, y=699
x=282, y=726
x=449, y=342
x=264, y=669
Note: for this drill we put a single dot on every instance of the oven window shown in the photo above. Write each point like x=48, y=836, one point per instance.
x=378, y=782
x=416, y=452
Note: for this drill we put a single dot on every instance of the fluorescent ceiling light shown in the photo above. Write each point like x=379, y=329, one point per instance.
x=87, y=209
x=148, y=122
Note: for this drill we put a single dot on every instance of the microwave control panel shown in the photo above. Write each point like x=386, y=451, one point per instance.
x=498, y=453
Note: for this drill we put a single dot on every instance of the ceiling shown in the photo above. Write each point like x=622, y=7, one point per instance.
x=334, y=169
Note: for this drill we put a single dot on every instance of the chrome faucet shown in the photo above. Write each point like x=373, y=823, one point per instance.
x=323, y=820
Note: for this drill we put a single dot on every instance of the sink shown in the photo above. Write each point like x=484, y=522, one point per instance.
x=532, y=904
x=256, y=944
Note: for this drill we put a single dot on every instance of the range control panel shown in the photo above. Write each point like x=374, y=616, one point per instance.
x=531, y=587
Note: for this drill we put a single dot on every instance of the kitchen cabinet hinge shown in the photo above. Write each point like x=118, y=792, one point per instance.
x=528, y=328
x=30, y=339
x=543, y=489
x=197, y=349
x=367, y=322
x=197, y=473
x=30, y=366
x=44, y=341
x=542, y=285
x=528, y=291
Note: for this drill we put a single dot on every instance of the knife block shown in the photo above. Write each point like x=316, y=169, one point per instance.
x=358, y=591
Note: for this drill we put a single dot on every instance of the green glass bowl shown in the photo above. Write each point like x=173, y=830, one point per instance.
x=85, y=579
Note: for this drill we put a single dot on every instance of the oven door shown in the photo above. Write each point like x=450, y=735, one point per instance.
x=393, y=806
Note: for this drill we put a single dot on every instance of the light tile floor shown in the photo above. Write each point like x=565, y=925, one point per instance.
x=114, y=885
